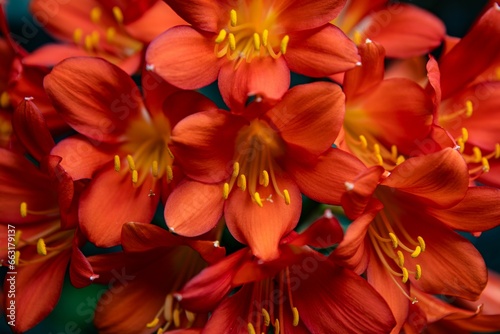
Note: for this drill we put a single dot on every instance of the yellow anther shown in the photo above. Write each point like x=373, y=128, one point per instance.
x=478, y=155
x=497, y=150
x=394, y=152
x=234, y=18
x=286, y=194
x=276, y=326
x=17, y=237
x=24, y=209
x=40, y=247
x=380, y=160
x=296, y=318
x=77, y=35
x=251, y=329
x=418, y=272
x=421, y=242
x=265, y=37
x=110, y=34
x=160, y=331
x=225, y=190
x=117, y=163
x=135, y=176
x=364, y=143
x=267, y=317
x=118, y=14
x=486, y=165
x=232, y=42
x=465, y=135
x=461, y=145
x=170, y=173
x=242, y=182
x=256, y=41
x=4, y=100
x=400, y=160
x=416, y=252
x=394, y=240
x=177, y=318
x=376, y=149
x=221, y=36
x=95, y=38
x=257, y=199
x=88, y=43
x=264, y=178
x=357, y=38
x=284, y=44
x=95, y=14
x=154, y=168
x=190, y=316
x=153, y=323
x=236, y=169
x=401, y=258
x=405, y=275
x=17, y=255
x=131, y=162
x=468, y=108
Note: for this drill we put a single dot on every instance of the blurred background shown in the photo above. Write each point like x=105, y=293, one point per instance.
x=74, y=312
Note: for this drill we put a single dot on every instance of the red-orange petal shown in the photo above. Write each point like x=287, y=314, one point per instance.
x=203, y=14
x=294, y=15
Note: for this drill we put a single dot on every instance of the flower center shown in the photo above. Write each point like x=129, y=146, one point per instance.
x=249, y=34
x=147, y=148
x=393, y=246
x=110, y=25
x=257, y=148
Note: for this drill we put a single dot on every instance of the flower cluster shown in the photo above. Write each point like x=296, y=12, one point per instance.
x=227, y=216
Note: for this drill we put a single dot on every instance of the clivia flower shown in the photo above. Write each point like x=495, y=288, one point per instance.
x=251, y=46
x=122, y=142
x=301, y=291
x=254, y=167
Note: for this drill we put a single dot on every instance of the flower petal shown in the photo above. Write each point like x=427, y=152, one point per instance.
x=191, y=64
x=99, y=103
x=194, y=208
x=203, y=14
x=321, y=52
x=324, y=232
x=262, y=228
x=110, y=201
x=296, y=15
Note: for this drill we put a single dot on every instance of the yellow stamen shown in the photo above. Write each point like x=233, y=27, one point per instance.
x=232, y=41
x=256, y=41
x=135, y=176
x=257, y=199
x=190, y=316
x=153, y=323
x=465, y=134
x=17, y=237
x=276, y=326
x=95, y=14
x=469, y=108
x=221, y=36
x=131, y=162
x=400, y=160
x=251, y=330
x=376, y=149
x=242, y=182
x=416, y=252
x=477, y=154
x=364, y=143
x=461, y=145
x=296, y=318
x=394, y=240
x=418, y=272
x=17, y=255
x=264, y=178
x=286, y=194
x=394, y=152
x=40, y=247
x=497, y=150
x=225, y=190
x=421, y=242
x=170, y=173
x=117, y=163
x=110, y=34
x=401, y=258
x=357, y=38
x=267, y=318
x=380, y=160
x=177, y=317
x=118, y=14
x=284, y=44
x=236, y=169
x=24, y=209
x=95, y=38
x=88, y=43
x=486, y=165
x=234, y=18
x=265, y=37
x=405, y=275
x=154, y=168
x=77, y=35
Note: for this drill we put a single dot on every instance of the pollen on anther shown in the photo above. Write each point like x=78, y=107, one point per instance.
x=77, y=35
x=17, y=237
x=478, y=155
x=232, y=41
x=95, y=14
x=221, y=36
x=118, y=14
x=394, y=240
x=110, y=34
x=153, y=323
x=418, y=272
x=465, y=135
x=23, y=209
x=416, y=252
x=242, y=182
x=135, y=176
x=486, y=165
x=256, y=41
x=364, y=143
x=284, y=44
x=265, y=37
x=469, y=108
x=401, y=258
x=264, y=178
x=154, y=168
x=286, y=194
x=117, y=163
x=266, y=316
x=170, y=173
x=225, y=190
x=405, y=277
x=251, y=329
x=296, y=318
x=17, y=255
x=421, y=242
x=257, y=199
x=233, y=17
x=131, y=162
x=236, y=169
x=497, y=150
x=40, y=247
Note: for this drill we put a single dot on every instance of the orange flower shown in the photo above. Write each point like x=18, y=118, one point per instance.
x=246, y=43
x=255, y=169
